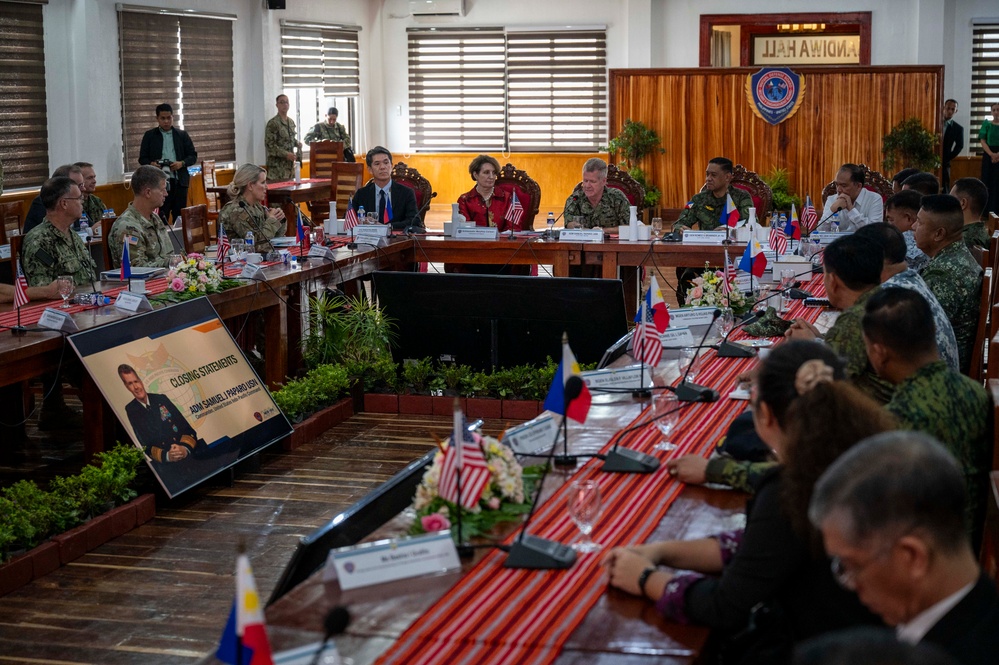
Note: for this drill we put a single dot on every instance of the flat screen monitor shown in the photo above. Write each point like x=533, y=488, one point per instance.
x=488, y=321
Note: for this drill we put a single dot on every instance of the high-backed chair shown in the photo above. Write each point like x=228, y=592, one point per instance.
x=751, y=183
x=873, y=181
x=209, y=179
x=620, y=179
x=11, y=216
x=420, y=186
x=345, y=179
x=509, y=179
x=194, y=220
x=16, y=242
x=322, y=156
x=109, y=262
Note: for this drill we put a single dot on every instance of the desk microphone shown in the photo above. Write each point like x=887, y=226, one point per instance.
x=692, y=392
x=416, y=228
x=531, y=551
x=334, y=624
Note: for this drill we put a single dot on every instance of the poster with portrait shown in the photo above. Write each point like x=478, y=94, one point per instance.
x=183, y=390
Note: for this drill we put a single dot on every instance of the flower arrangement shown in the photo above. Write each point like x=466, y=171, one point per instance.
x=503, y=498
x=193, y=277
x=707, y=292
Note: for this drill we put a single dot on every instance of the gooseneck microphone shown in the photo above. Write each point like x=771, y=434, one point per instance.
x=692, y=392
x=334, y=624
x=415, y=228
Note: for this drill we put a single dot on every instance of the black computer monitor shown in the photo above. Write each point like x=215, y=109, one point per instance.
x=488, y=321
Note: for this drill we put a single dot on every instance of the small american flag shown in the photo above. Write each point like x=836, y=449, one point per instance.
x=647, y=345
x=20, y=288
x=809, y=218
x=514, y=212
x=778, y=239
x=728, y=276
x=465, y=454
x=223, y=249
x=350, y=218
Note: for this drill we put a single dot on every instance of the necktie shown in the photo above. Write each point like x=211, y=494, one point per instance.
x=381, y=206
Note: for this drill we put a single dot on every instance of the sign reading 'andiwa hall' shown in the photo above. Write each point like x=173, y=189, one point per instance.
x=834, y=49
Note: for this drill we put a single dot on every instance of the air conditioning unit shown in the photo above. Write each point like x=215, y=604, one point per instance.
x=436, y=9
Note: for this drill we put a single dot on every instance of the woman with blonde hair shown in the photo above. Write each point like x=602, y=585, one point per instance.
x=245, y=210
x=771, y=582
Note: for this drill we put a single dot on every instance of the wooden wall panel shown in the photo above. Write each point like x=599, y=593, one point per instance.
x=704, y=113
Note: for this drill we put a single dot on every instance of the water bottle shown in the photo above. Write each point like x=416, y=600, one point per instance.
x=249, y=242
x=551, y=222
x=85, y=227
x=835, y=222
x=361, y=217
x=298, y=172
x=782, y=220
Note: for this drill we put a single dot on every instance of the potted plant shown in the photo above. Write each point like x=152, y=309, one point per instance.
x=910, y=144
x=635, y=142
x=779, y=181
x=416, y=378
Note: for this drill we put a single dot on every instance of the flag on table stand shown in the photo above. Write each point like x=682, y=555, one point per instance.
x=652, y=320
x=126, y=263
x=793, y=228
x=730, y=214
x=300, y=231
x=350, y=218
x=728, y=275
x=223, y=249
x=778, y=239
x=464, y=455
x=809, y=218
x=514, y=212
x=244, y=640
x=753, y=261
x=20, y=288
x=387, y=215
x=555, y=402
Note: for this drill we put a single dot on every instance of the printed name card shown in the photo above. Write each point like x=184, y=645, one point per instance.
x=535, y=437
x=826, y=237
x=476, y=233
x=250, y=271
x=394, y=559
x=704, y=237
x=53, y=319
x=581, y=235
x=675, y=338
x=132, y=302
x=321, y=252
x=4, y=251
x=691, y=316
x=744, y=281
x=372, y=230
x=633, y=377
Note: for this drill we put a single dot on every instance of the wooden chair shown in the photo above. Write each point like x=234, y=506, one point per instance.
x=873, y=181
x=345, y=179
x=510, y=178
x=11, y=217
x=109, y=261
x=322, y=156
x=420, y=186
x=751, y=183
x=619, y=179
x=194, y=220
x=976, y=370
x=16, y=242
x=209, y=180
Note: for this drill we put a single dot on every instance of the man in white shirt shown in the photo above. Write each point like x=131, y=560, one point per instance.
x=856, y=206
x=891, y=513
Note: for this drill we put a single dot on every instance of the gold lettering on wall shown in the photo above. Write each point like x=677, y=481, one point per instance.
x=812, y=50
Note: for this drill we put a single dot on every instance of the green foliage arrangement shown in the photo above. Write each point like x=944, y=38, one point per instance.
x=635, y=142
x=910, y=144
x=347, y=330
x=779, y=181
x=319, y=388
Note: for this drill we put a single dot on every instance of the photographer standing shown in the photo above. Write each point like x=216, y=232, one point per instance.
x=170, y=149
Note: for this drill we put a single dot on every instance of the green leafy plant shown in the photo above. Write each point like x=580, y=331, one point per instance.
x=779, y=181
x=417, y=375
x=910, y=144
x=319, y=388
x=635, y=142
x=347, y=330
x=376, y=376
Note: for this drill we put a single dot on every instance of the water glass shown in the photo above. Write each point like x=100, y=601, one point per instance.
x=690, y=362
x=175, y=260
x=786, y=280
x=372, y=218
x=584, y=508
x=762, y=298
x=726, y=321
x=665, y=416
x=66, y=285
x=657, y=227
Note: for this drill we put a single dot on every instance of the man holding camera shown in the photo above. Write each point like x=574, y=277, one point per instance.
x=170, y=149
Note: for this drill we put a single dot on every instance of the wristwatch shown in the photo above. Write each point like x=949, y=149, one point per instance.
x=644, y=578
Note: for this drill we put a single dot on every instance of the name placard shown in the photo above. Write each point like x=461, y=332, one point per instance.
x=677, y=337
x=534, y=437
x=704, y=237
x=691, y=316
x=250, y=271
x=371, y=230
x=53, y=319
x=321, y=252
x=476, y=233
x=4, y=251
x=394, y=559
x=826, y=237
x=581, y=235
x=132, y=302
x=632, y=376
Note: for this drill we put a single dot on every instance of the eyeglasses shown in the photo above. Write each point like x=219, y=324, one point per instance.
x=846, y=576
x=82, y=197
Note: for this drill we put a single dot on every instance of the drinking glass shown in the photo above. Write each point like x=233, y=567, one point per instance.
x=689, y=358
x=657, y=227
x=786, y=280
x=575, y=223
x=584, y=508
x=372, y=218
x=66, y=286
x=763, y=298
x=726, y=321
x=664, y=411
x=175, y=260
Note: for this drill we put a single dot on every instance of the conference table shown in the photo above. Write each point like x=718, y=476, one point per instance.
x=572, y=616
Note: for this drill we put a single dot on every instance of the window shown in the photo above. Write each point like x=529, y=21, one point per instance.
x=319, y=69
x=24, y=149
x=984, y=78
x=487, y=89
x=184, y=61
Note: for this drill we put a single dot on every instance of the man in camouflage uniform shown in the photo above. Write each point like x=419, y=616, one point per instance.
x=852, y=276
x=282, y=144
x=705, y=208
x=900, y=212
x=721, y=470
x=93, y=207
x=594, y=202
x=929, y=396
x=331, y=130
x=973, y=195
x=953, y=274
x=148, y=238
x=36, y=211
x=52, y=248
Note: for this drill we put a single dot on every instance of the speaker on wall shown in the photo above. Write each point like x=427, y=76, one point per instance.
x=275, y=4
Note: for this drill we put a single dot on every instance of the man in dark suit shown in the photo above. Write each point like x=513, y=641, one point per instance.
x=953, y=140
x=164, y=432
x=891, y=512
x=173, y=146
x=385, y=198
